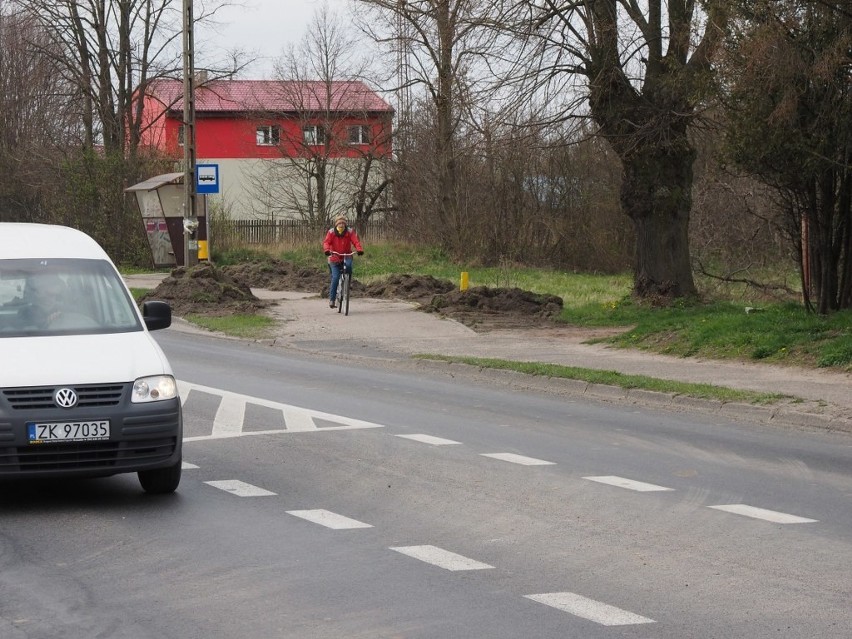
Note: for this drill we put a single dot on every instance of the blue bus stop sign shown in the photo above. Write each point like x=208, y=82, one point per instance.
x=206, y=178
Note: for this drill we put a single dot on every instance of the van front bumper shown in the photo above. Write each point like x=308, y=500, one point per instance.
x=142, y=436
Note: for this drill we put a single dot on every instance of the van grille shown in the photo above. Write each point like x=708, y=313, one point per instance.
x=42, y=397
x=86, y=455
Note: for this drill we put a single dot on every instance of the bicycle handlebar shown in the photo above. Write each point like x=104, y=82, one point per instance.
x=342, y=254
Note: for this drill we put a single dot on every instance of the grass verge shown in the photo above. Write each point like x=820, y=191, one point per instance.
x=613, y=378
x=242, y=326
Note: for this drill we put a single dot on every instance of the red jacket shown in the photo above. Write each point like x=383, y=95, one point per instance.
x=341, y=243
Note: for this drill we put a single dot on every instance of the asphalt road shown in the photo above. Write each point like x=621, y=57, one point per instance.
x=349, y=498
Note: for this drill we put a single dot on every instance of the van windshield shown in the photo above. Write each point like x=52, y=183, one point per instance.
x=63, y=297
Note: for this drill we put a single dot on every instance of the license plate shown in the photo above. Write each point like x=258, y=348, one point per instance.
x=43, y=432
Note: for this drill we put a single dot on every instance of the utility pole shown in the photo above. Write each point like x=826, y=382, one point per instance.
x=190, y=216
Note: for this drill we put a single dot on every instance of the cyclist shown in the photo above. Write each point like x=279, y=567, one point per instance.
x=339, y=239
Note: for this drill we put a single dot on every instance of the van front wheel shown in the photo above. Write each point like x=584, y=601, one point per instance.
x=160, y=481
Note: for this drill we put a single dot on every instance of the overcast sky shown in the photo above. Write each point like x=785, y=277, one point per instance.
x=265, y=28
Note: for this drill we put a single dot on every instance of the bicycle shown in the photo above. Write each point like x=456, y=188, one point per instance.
x=344, y=284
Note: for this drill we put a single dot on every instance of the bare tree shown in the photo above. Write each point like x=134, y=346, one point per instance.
x=644, y=68
x=36, y=120
x=103, y=53
x=444, y=48
x=332, y=157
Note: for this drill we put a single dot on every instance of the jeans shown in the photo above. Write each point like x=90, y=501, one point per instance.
x=336, y=269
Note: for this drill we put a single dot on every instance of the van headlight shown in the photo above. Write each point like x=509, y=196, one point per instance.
x=154, y=389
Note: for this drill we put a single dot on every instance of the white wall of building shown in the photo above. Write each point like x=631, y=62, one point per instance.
x=254, y=189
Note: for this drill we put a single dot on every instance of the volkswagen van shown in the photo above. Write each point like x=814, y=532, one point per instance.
x=84, y=389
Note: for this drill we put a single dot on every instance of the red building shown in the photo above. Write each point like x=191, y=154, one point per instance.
x=269, y=137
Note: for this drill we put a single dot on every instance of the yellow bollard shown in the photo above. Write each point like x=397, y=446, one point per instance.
x=202, y=250
x=463, y=281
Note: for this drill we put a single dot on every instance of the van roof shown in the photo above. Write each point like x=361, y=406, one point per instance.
x=46, y=241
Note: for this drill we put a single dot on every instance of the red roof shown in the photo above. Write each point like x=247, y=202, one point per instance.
x=283, y=96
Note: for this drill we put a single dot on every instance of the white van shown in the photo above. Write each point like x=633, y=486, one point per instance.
x=84, y=388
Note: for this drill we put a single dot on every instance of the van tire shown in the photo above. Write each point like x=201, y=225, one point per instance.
x=161, y=481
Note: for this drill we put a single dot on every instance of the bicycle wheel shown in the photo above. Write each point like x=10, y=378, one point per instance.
x=345, y=284
x=340, y=292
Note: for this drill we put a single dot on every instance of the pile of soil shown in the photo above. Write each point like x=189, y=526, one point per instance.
x=277, y=275
x=484, y=308
x=206, y=290
x=412, y=288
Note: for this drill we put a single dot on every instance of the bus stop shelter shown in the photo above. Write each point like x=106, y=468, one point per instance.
x=161, y=202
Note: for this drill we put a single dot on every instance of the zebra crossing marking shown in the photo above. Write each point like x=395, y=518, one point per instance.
x=230, y=415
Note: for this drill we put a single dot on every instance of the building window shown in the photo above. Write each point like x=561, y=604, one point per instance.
x=314, y=135
x=268, y=135
x=180, y=135
x=359, y=134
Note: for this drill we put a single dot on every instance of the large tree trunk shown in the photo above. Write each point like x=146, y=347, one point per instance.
x=656, y=194
x=646, y=115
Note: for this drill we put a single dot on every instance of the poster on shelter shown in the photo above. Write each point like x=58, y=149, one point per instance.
x=157, y=231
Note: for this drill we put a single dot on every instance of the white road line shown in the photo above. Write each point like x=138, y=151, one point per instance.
x=187, y=466
x=183, y=391
x=629, y=484
x=297, y=420
x=230, y=416
x=277, y=431
x=518, y=459
x=429, y=439
x=328, y=519
x=441, y=558
x=590, y=609
x=239, y=488
x=761, y=513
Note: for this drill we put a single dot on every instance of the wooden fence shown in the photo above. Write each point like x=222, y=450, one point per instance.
x=227, y=233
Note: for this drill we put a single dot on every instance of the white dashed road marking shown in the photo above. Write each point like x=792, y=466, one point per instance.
x=590, y=609
x=429, y=439
x=187, y=466
x=761, y=513
x=441, y=558
x=629, y=484
x=239, y=488
x=518, y=459
x=328, y=519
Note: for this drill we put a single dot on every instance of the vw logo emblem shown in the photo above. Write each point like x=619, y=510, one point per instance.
x=65, y=398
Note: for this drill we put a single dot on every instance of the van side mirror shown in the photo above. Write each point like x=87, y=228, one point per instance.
x=157, y=315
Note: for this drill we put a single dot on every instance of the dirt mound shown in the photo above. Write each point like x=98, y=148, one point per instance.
x=277, y=275
x=206, y=290
x=415, y=288
x=486, y=308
